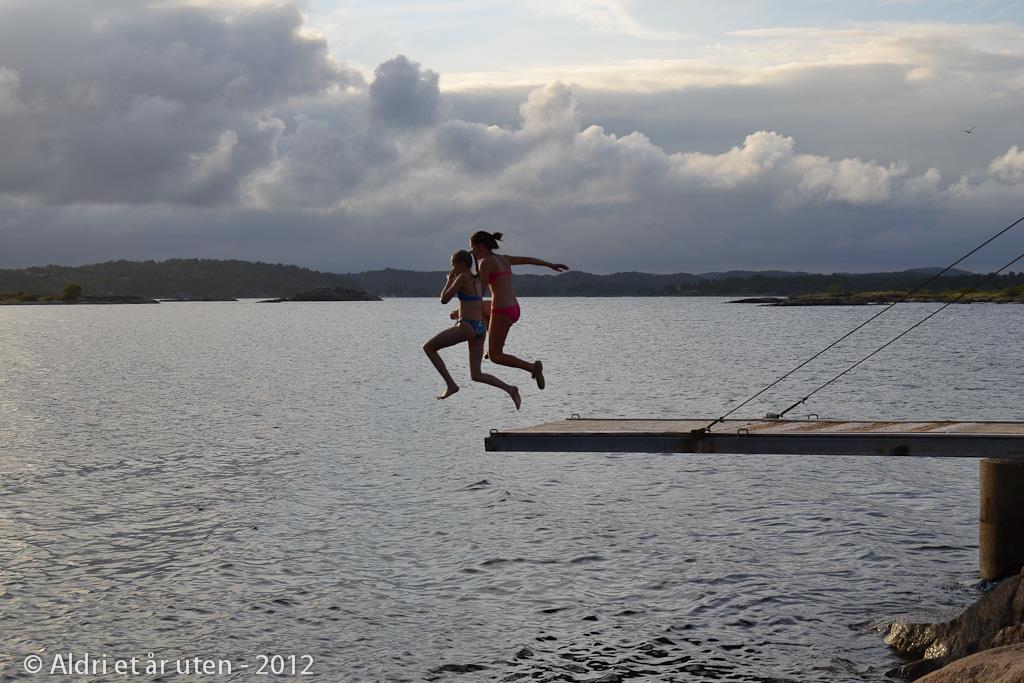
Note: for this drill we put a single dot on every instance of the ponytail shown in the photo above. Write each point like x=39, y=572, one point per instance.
x=488, y=239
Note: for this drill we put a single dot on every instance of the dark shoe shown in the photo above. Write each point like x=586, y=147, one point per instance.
x=538, y=373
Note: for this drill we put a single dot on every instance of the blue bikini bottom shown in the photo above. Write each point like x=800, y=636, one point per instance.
x=479, y=327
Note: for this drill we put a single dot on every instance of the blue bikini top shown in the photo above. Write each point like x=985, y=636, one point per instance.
x=467, y=297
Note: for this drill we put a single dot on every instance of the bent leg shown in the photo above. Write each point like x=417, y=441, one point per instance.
x=496, y=335
x=476, y=352
x=442, y=340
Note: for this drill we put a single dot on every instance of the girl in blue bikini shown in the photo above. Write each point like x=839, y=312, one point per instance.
x=471, y=328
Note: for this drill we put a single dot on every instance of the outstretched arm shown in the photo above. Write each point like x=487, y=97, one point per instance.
x=530, y=261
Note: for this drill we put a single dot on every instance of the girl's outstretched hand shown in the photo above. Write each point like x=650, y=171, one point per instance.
x=560, y=267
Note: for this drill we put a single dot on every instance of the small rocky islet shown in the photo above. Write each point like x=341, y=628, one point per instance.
x=326, y=294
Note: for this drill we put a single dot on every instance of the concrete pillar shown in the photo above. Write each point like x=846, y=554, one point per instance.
x=1001, y=531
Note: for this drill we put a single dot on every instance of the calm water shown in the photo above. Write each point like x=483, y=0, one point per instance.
x=226, y=480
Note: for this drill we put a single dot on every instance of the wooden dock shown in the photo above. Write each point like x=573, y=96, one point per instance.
x=786, y=437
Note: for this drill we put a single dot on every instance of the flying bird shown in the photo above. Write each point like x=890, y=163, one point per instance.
x=969, y=130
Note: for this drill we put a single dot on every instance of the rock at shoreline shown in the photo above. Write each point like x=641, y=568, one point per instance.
x=759, y=300
x=327, y=294
x=1001, y=665
x=995, y=620
x=814, y=300
x=116, y=299
x=832, y=301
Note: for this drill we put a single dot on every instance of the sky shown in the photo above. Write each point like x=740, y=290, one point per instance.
x=612, y=135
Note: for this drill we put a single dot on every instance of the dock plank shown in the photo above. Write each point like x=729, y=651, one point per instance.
x=941, y=438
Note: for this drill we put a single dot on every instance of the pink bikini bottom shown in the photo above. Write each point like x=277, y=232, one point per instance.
x=510, y=312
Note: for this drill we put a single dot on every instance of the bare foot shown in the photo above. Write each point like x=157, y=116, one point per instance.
x=514, y=393
x=448, y=392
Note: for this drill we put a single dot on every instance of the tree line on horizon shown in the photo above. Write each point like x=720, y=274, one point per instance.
x=180, y=278
x=174, y=278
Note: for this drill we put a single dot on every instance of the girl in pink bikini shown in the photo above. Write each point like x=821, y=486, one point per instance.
x=496, y=272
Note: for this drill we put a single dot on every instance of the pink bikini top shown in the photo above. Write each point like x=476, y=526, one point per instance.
x=494, y=276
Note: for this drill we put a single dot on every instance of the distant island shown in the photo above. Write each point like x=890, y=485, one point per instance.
x=178, y=279
x=327, y=294
x=1013, y=294
x=71, y=294
x=213, y=279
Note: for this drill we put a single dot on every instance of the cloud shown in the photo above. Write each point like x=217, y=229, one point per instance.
x=154, y=130
x=139, y=102
x=550, y=158
x=10, y=85
x=989, y=54
x=1009, y=168
x=609, y=193
x=552, y=108
x=403, y=94
x=612, y=16
x=761, y=152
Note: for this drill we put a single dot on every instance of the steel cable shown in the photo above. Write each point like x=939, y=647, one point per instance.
x=867, y=322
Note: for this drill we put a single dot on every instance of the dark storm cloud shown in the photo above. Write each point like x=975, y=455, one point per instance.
x=136, y=102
